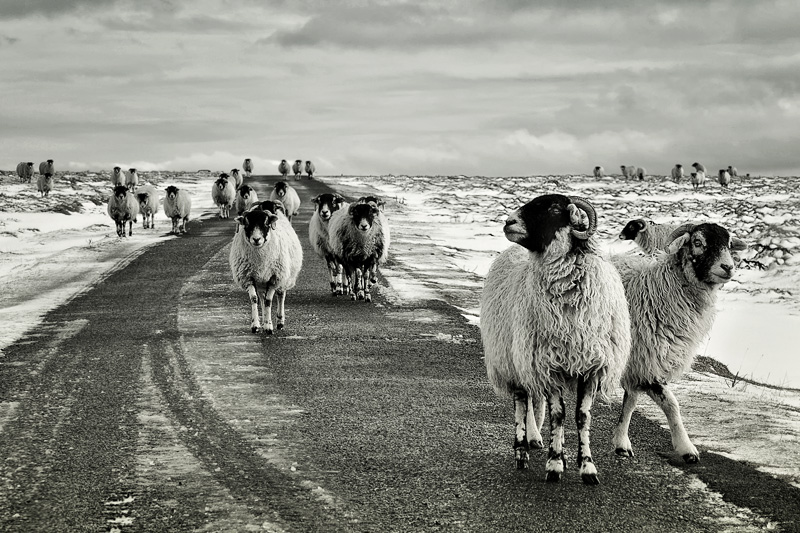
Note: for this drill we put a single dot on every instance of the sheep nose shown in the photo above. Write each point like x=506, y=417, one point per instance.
x=727, y=268
x=510, y=222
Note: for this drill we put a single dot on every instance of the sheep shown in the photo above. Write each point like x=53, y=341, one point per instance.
x=648, y=235
x=733, y=172
x=131, y=179
x=238, y=179
x=310, y=169
x=379, y=203
x=148, y=199
x=553, y=317
x=117, y=177
x=247, y=166
x=47, y=167
x=628, y=172
x=699, y=167
x=641, y=173
x=25, y=171
x=599, y=172
x=122, y=208
x=283, y=168
x=288, y=195
x=245, y=197
x=724, y=177
x=358, y=240
x=44, y=184
x=672, y=305
x=325, y=205
x=698, y=179
x=297, y=168
x=276, y=207
x=177, y=206
x=677, y=173
x=223, y=193
x=265, y=259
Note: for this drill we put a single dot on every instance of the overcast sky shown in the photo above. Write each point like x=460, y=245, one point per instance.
x=448, y=87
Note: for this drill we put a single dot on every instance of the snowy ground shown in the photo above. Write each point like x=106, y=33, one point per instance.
x=445, y=233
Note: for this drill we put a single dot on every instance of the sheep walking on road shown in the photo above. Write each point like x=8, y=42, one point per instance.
x=223, y=193
x=325, y=205
x=122, y=208
x=177, y=207
x=25, y=171
x=247, y=166
x=310, y=169
x=283, y=168
x=237, y=178
x=265, y=259
x=297, y=168
x=245, y=197
x=288, y=196
x=672, y=306
x=148, y=199
x=553, y=318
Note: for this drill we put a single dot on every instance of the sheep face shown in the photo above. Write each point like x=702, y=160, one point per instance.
x=632, y=229
x=222, y=182
x=327, y=204
x=172, y=192
x=117, y=170
x=363, y=216
x=280, y=189
x=547, y=219
x=704, y=252
x=143, y=197
x=120, y=192
x=257, y=226
x=245, y=191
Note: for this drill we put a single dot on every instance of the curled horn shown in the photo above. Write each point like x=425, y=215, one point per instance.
x=680, y=230
x=584, y=205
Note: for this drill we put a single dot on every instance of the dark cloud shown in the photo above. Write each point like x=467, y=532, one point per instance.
x=7, y=41
x=22, y=8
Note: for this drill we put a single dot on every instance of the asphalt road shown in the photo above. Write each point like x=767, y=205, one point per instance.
x=146, y=404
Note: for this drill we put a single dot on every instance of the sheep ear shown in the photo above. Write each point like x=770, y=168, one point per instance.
x=351, y=209
x=272, y=220
x=338, y=199
x=240, y=220
x=678, y=243
x=737, y=245
x=316, y=200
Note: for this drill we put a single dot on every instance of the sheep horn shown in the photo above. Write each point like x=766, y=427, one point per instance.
x=584, y=205
x=680, y=230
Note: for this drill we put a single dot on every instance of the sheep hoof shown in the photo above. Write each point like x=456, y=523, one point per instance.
x=254, y=329
x=553, y=477
x=590, y=479
x=280, y=325
x=353, y=297
x=360, y=295
x=368, y=297
x=268, y=331
x=691, y=458
x=522, y=464
x=622, y=452
x=536, y=444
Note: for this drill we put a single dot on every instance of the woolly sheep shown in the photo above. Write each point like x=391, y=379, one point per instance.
x=297, y=168
x=724, y=177
x=247, y=166
x=131, y=179
x=733, y=172
x=599, y=172
x=44, y=184
x=245, y=197
x=117, y=177
x=237, y=178
x=25, y=171
x=148, y=200
x=325, y=205
x=553, y=318
x=378, y=202
x=628, y=172
x=265, y=259
x=641, y=173
x=177, y=206
x=47, y=167
x=276, y=207
x=223, y=193
x=698, y=179
x=677, y=173
x=310, y=169
x=122, y=208
x=358, y=240
x=672, y=305
x=288, y=195
x=648, y=235
x=283, y=168
x=699, y=167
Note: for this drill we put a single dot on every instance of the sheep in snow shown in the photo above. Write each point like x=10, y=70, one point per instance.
x=733, y=172
x=672, y=305
x=283, y=168
x=122, y=208
x=628, y=172
x=358, y=239
x=288, y=195
x=378, y=202
x=641, y=173
x=677, y=173
x=237, y=178
x=553, y=318
x=223, y=193
x=599, y=172
x=698, y=179
x=648, y=235
x=724, y=177
x=247, y=166
x=47, y=167
x=265, y=259
x=177, y=206
x=297, y=168
x=117, y=177
x=310, y=169
x=698, y=167
x=325, y=205
x=131, y=179
x=148, y=199
x=25, y=171
x=44, y=184
x=245, y=197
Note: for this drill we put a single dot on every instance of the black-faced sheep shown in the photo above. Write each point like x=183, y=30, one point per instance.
x=297, y=168
x=25, y=171
x=677, y=173
x=245, y=197
x=47, y=167
x=283, y=168
x=628, y=172
x=275, y=207
x=325, y=205
x=265, y=259
x=378, y=202
x=223, y=193
x=237, y=178
x=648, y=235
x=44, y=184
x=122, y=208
x=553, y=318
x=310, y=169
x=117, y=177
x=698, y=179
x=177, y=207
x=599, y=172
x=698, y=167
x=288, y=196
x=724, y=177
x=671, y=300
x=641, y=173
x=247, y=166
x=148, y=200
x=131, y=179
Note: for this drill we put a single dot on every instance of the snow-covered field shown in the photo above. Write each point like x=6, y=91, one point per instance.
x=445, y=233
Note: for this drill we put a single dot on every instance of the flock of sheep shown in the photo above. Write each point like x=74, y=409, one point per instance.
x=698, y=177
x=297, y=168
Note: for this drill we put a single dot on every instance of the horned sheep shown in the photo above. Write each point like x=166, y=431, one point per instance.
x=122, y=208
x=553, y=318
x=177, y=207
x=288, y=195
x=265, y=260
x=25, y=171
x=223, y=193
x=245, y=197
x=148, y=199
x=672, y=306
x=648, y=235
x=325, y=205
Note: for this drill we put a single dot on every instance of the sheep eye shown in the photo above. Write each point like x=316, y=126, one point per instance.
x=698, y=243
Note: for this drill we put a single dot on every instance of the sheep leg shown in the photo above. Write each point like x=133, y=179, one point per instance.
x=255, y=324
x=130, y=227
x=332, y=271
x=359, y=283
x=281, y=310
x=266, y=306
x=665, y=399
x=621, y=441
x=583, y=419
x=368, y=282
x=521, y=446
x=184, y=221
x=174, y=224
x=534, y=422
x=556, y=462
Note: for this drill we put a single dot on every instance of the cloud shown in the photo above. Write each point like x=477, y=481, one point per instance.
x=22, y=8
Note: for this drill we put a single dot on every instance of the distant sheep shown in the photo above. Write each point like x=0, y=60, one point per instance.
x=265, y=259
x=724, y=177
x=733, y=172
x=131, y=179
x=628, y=172
x=177, y=207
x=599, y=172
x=283, y=168
x=672, y=305
x=297, y=168
x=245, y=197
x=641, y=173
x=247, y=166
x=677, y=173
x=117, y=177
x=325, y=205
x=47, y=167
x=223, y=193
x=237, y=178
x=25, y=171
x=148, y=200
x=698, y=179
x=699, y=167
x=122, y=208
x=648, y=235
x=310, y=169
x=288, y=195
x=553, y=318
x=44, y=184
